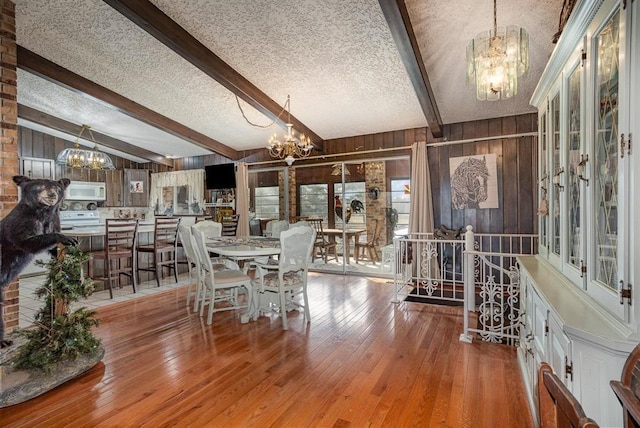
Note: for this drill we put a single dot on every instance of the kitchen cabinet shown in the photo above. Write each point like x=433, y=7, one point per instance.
x=136, y=188
x=579, y=313
x=115, y=188
x=127, y=188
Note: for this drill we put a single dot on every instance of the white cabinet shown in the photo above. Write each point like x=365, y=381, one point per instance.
x=588, y=113
x=585, y=345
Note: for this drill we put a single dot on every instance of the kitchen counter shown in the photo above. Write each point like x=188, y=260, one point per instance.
x=99, y=230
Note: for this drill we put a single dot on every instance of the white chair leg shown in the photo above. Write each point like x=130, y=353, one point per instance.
x=283, y=310
x=307, y=313
x=210, y=315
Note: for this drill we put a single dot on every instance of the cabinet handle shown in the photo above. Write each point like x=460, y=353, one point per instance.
x=622, y=145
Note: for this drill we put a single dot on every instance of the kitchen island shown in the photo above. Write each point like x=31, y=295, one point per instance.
x=91, y=238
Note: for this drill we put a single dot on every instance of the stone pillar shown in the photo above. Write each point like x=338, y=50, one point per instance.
x=8, y=139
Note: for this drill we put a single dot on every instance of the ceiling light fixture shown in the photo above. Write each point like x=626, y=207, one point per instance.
x=337, y=169
x=289, y=147
x=495, y=60
x=76, y=157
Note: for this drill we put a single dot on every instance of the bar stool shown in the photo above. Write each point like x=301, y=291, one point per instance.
x=165, y=241
x=121, y=237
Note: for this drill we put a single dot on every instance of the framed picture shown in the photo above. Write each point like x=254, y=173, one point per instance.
x=136, y=187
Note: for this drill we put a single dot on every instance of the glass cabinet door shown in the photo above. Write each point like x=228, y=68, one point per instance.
x=557, y=171
x=575, y=169
x=606, y=153
x=543, y=210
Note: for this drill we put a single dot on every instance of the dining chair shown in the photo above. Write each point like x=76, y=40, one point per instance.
x=193, y=263
x=219, y=286
x=278, y=285
x=278, y=227
x=230, y=225
x=557, y=407
x=119, y=254
x=369, y=247
x=165, y=243
x=322, y=244
x=255, y=227
x=210, y=228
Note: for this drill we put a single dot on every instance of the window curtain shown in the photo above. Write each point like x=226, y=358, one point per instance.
x=421, y=209
x=242, y=198
x=194, y=178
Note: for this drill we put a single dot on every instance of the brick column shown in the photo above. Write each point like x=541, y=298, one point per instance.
x=8, y=139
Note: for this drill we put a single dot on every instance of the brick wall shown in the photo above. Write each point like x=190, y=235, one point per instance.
x=8, y=138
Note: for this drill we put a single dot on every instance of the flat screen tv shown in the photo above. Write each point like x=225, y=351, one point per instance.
x=221, y=176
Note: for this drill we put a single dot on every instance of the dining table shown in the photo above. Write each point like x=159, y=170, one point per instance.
x=245, y=249
x=332, y=234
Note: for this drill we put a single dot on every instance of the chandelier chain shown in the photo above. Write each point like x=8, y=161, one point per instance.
x=286, y=105
x=495, y=17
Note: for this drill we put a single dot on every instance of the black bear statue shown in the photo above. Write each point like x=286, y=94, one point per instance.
x=31, y=227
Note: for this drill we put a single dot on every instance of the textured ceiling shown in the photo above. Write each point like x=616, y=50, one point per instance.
x=336, y=59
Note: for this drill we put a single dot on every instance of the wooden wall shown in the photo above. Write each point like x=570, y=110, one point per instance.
x=36, y=144
x=517, y=175
x=517, y=166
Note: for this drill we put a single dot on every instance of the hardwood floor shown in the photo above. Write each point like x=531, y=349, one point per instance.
x=362, y=361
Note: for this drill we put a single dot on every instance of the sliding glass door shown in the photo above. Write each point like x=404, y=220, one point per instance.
x=360, y=204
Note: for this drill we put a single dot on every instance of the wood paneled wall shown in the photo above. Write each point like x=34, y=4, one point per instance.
x=517, y=174
x=36, y=144
x=516, y=159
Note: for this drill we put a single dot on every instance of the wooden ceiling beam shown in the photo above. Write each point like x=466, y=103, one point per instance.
x=61, y=125
x=42, y=67
x=155, y=22
x=395, y=12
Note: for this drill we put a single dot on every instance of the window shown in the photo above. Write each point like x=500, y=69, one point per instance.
x=178, y=200
x=314, y=201
x=354, y=200
x=400, y=201
x=267, y=202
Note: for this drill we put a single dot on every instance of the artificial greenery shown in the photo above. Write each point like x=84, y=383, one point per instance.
x=59, y=334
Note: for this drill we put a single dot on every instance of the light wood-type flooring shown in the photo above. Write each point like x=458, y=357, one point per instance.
x=362, y=361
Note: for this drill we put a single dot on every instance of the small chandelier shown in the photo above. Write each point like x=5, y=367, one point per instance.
x=290, y=147
x=495, y=60
x=337, y=169
x=76, y=157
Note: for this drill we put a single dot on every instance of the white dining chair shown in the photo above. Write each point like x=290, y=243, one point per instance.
x=278, y=285
x=186, y=238
x=210, y=228
x=219, y=286
x=278, y=227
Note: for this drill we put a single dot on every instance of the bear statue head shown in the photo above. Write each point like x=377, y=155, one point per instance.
x=41, y=192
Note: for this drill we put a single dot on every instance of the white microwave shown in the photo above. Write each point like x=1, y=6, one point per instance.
x=86, y=191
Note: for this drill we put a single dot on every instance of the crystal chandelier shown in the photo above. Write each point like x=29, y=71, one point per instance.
x=495, y=60
x=76, y=157
x=290, y=147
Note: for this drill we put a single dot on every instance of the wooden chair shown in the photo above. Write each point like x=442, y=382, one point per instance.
x=121, y=237
x=322, y=245
x=230, y=225
x=627, y=389
x=165, y=242
x=557, y=407
x=369, y=248
x=219, y=286
x=277, y=285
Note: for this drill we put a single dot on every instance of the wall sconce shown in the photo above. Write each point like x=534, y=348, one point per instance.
x=581, y=168
x=556, y=179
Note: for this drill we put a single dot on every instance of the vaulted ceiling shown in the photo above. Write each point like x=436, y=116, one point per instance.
x=160, y=78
